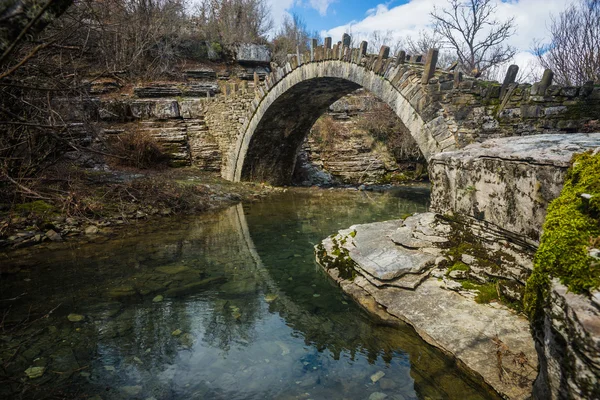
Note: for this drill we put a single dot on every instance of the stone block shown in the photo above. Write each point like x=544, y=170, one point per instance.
x=253, y=53
x=553, y=90
x=569, y=91
x=556, y=110
x=508, y=182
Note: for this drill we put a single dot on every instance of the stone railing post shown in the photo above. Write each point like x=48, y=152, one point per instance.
x=458, y=77
x=511, y=77
x=346, y=40
x=362, y=51
x=545, y=82
x=313, y=47
x=298, y=56
x=430, y=64
x=401, y=57
x=328, y=43
x=384, y=53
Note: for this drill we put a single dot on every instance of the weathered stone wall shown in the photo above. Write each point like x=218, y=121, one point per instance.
x=224, y=116
x=195, y=127
x=568, y=340
x=503, y=187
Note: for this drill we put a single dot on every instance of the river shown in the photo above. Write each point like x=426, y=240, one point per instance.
x=227, y=305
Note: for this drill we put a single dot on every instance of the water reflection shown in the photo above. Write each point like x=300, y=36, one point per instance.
x=230, y=305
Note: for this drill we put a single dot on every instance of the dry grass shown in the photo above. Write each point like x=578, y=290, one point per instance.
x=138, y=149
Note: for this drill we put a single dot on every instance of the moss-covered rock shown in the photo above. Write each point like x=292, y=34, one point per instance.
x=572, y=225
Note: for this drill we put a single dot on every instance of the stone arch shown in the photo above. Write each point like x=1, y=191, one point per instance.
x=268, y=142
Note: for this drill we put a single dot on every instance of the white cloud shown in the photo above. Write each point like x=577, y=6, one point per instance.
x=321, y=5
x=279, y=10
x=531, y=19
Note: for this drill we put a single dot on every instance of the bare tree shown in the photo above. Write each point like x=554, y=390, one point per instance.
x=430, y=40
x=384, y=38
x=231, y=22
x=22, y=19
x=292, y=35
x=474, y=34
x=574, y=49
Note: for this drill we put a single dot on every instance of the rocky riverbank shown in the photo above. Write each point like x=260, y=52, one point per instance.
x=98, y=204
x=406, y=270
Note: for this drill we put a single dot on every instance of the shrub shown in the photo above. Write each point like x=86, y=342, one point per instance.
x=138, y=149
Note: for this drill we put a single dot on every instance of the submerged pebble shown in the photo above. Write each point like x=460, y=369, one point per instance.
x=158, y=299
x=75, y=317
x=377, y=376
x=35, y=372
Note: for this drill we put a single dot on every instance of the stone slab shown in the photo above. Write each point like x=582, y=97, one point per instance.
x=488, y=339
x=468, y=330
x=552, y=149
x=383, y=259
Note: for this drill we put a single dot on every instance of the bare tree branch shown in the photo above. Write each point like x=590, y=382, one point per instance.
x=574, y=49
x=471, y=31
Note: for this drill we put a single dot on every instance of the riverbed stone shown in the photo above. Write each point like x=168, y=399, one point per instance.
x=377, y=376
x=158, y=299
x=121, y=291
x=172, y=269
x=54, y=236
x=91, y=230
x=131, y=390
x=378, y=396
x=35, y=372
x=75, y=317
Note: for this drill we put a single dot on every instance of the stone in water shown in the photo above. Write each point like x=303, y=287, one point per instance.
x=75, y=317
x=35, y=372
x=377, y=376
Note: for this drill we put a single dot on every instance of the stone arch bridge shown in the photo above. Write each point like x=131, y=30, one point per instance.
x=442, y=109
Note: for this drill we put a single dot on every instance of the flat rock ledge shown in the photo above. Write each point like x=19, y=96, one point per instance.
x=391, y=269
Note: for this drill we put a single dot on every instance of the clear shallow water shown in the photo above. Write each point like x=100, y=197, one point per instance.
x=246, y=314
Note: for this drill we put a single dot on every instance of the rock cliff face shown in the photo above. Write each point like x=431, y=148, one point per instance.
x=397, y=270
x=491, y=200
x=341, y=146
x=192, y=120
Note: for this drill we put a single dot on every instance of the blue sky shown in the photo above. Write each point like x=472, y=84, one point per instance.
x=337, y=13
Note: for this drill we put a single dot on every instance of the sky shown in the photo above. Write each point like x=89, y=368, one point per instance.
x=408, y=17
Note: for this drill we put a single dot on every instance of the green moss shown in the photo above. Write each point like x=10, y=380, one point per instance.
x=469, y=285
x=36, y=207
x=459, y=266
x=487, y=293
x=570, y=227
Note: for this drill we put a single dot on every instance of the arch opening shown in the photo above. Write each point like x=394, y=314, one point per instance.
x=271, y=154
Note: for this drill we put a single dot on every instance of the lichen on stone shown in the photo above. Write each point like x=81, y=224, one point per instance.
x=572, y=224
